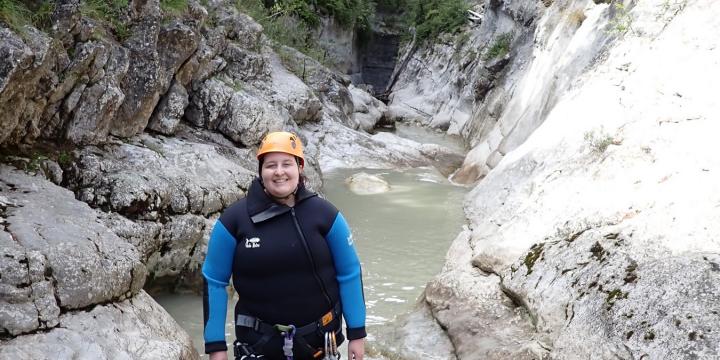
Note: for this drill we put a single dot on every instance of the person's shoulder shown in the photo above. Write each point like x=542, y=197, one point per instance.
x=319, y=203
x=230, y=216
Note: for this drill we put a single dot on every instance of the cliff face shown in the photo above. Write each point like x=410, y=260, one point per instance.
x=593, y=220
x=122, y=141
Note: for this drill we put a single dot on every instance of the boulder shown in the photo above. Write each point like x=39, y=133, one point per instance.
x=136, y=328
x=367, y=109
x=366, y=184
x=58, y=255
x=412, y=336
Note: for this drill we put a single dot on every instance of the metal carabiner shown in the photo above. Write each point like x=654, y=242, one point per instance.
x=331, y=352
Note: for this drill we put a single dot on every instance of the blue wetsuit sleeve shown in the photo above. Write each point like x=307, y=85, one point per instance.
x=216, y=270
x=349, y=277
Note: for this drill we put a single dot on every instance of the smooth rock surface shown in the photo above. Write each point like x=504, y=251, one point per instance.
x=137, y=328
x=365, y=184
x=596, y=236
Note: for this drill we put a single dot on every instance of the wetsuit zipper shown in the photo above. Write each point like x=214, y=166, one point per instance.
x=312, y=260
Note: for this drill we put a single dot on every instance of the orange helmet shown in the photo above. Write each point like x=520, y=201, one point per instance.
x=282, y=141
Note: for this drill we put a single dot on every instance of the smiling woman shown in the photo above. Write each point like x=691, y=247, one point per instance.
x=292, y=264
x=281, y=162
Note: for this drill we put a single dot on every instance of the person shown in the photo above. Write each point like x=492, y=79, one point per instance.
x=291, y=257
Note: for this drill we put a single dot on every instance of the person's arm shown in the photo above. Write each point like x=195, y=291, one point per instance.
x=349, y=277
x=217, y=270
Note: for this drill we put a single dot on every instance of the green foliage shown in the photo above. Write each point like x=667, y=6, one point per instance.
x=433, y=17
x=532, y=256
x=500, y=47
x=109, y=11
x=121, y=30
x=599, y=142
x=391, y=5
x=15, y=14
x=621, y=21
x=41, y=16
x=283, y=27
x=64, y=159
x=173, y=7
x=349, y=12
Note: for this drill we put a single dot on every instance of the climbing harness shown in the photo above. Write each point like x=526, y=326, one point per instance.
x=244, y=351
x=330, y=349
x=288, y=333
x=291, y=334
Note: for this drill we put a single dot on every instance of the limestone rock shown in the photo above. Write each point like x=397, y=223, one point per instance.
x=137, y=328
x=170, y=110
x=329, y=86
x=152, y=176
x=25, y=64
x=142, y=83
x=58, y=256
x=180, y=236
x=289, y=92
x=249, y=118
x=412, y=336
x=341, y=147
x=367, y=109
x=595, y=287
x=573, y=228
x=365, y=184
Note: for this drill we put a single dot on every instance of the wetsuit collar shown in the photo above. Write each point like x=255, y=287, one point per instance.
x=262, y=207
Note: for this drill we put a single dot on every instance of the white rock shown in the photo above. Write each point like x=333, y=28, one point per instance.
x=366, y=184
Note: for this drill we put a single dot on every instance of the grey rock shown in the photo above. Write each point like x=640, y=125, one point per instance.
x=444, y=159
x=92, y=119
x=26, y=78
x=595, y=287
x=244, y=64
x=142, y=179
x=209, y=104
x=81, y=108
x=60, y=262
x=412, y=336
x=341, y=147
x=179, y=237
x=176, y=43
x=288, y=91
x=367, y=110
x=137, y=328
x=52, y=171
x=144, y=235
x=249, y=118
x=170, y=110
x=142, y=85
x=329, y=86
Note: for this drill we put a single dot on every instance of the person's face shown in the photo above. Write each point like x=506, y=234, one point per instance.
x=280, y=174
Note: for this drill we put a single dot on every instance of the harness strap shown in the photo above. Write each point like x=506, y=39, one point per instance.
x=268, y=331
x=266, y=328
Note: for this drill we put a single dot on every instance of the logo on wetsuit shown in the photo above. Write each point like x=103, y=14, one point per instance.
x=350, y=239
x=252, y=243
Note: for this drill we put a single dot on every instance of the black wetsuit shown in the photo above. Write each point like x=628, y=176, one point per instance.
x=288, y=265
